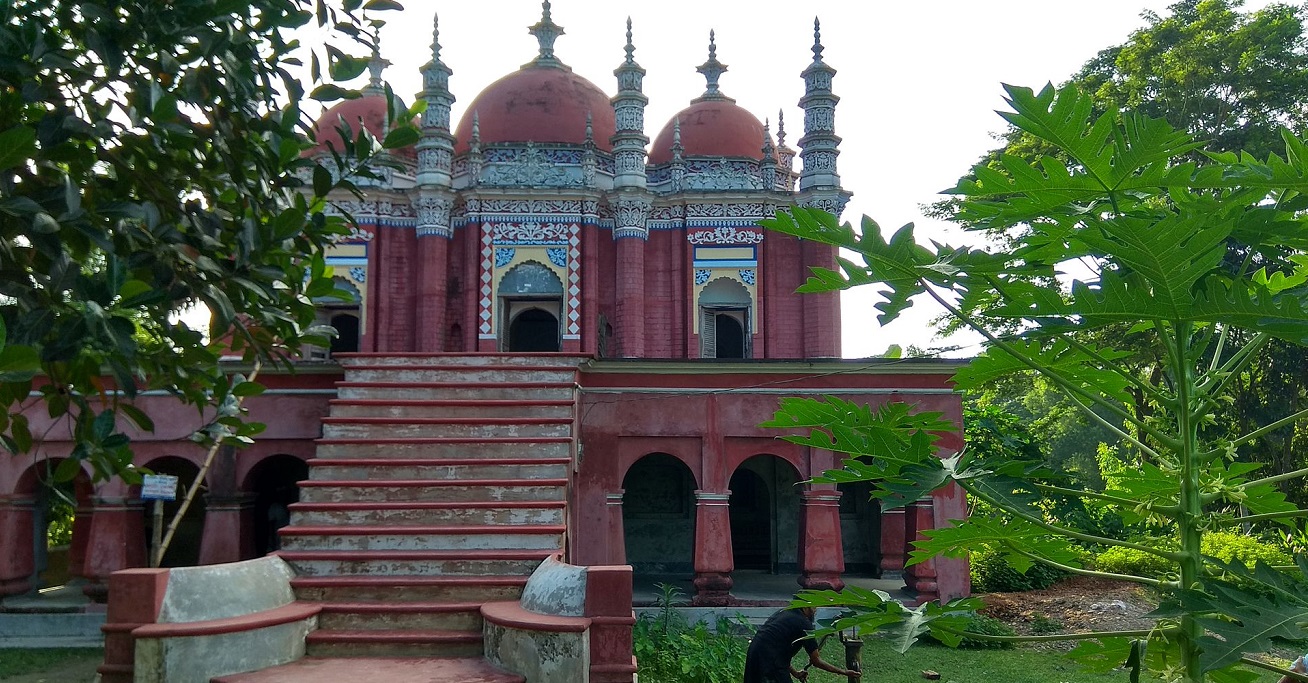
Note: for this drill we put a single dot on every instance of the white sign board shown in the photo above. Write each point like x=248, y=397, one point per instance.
x=159, y=487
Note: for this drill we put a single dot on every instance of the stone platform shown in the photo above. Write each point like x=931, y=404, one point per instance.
x=390, y=670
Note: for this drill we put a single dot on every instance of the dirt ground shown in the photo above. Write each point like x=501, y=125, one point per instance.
x=1077, y=604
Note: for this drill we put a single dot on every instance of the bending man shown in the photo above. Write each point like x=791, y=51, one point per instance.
x=778, y=641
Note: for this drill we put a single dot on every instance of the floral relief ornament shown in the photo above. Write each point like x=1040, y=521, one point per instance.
x=725, y=235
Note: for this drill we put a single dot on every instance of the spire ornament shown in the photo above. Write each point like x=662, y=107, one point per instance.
x=817, y=40
x=712, y=70
x=375, y=67
x=546, y=32
x=630, y=48
x=781, y=128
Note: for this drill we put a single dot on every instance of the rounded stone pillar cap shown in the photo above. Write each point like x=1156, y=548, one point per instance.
x=712, y=496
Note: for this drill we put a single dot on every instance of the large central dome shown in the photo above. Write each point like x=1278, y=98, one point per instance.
x=539, y=103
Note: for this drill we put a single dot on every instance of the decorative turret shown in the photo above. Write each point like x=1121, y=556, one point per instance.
x=768, y=166
x=712, y=70
x=588, y=161
x=678, y=163
x=475, y=159
x=546, y=32
x=785, y=156
x=375, y=67
x=820, y=146
x=629, y=111
x=436, y=147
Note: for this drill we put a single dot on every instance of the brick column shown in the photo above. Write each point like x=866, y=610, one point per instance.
x=630, y=318
x=894, y=539
x=137, y=598
x=81, y=535
x=921, y=577
x=713, y=555
x=608, y=606
x=227, y=536
x=617, y=533
x=17, y=563
x=822, y=555
x=117, y=541
x=433, y=255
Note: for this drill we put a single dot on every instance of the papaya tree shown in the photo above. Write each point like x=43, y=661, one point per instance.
x=1125, y=222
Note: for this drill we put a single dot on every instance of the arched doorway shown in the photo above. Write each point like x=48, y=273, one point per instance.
x=184, y=549
x=347, y=333
x=764, y=509
x=534, y=330
x=860, y=529
x=274, y=481
x=658, y=516
x=724, y=320
x=530, y=309
x=60, y=514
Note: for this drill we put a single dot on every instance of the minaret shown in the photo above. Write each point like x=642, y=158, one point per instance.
x=546, y=32
x=678, y=167
x=375, y=67
x=475, y=159
x=819, y=187
x=433, y=204
x=436, y=147
x=632, y=202
x=589, y=163
x=820, y=146
x=629, y=140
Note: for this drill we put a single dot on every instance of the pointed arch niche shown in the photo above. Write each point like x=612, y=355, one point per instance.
x=726, y=319
x=529, y=309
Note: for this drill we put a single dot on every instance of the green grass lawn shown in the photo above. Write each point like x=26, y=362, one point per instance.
x=17, y=662
x=881, y=664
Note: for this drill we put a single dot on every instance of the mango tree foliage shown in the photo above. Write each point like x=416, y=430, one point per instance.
x=1148, y=223
x=151, y=160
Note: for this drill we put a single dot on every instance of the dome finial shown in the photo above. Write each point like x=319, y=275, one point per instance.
x=817, y=40
x=546, y=31
x=375, y=67
x=631, y=49
x=712, y=70
x=781, y=128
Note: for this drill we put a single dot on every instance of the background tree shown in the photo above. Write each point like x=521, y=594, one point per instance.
x=1230, y=78
x=1154, y=222
x=150, y=161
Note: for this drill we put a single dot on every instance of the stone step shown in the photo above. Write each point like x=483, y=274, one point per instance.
x=441, y=513
x=462, y=359
x=404, y=616
x=468, y=374
x=361, y=491
x=447, y=447
x=388, y=670
x=469, y=563
x=419, y=538
x=410, y=408
x=325, y=643
x=504, y=391
x=465, y=427
x=399, y=589
x=374, y=469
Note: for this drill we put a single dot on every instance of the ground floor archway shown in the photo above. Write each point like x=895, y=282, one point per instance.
x=765, y=515
x=658, y=516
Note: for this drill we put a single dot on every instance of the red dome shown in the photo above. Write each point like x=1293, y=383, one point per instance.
x=370, y=109
x=711, y=128
x=538, y=104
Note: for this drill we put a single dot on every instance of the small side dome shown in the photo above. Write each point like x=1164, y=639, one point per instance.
x=368, y=111
x=711, y=128
x=539, y=104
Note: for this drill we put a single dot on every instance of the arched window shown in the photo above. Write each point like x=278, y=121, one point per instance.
x=530, y=309
x=724, y=323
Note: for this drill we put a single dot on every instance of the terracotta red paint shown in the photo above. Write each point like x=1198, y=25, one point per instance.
x=540, y=104
x=717, y=128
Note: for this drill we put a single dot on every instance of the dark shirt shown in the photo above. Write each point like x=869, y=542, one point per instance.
x=776, y=643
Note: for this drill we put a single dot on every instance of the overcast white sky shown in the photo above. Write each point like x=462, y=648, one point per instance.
x=919, y=81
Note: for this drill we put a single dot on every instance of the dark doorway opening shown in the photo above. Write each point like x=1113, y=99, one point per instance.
x=751, y=521
x=347, y=333
x=274, y=481
x=534, y=331
x=731, y=337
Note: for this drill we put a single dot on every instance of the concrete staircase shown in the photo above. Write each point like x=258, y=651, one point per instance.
x=440, y=484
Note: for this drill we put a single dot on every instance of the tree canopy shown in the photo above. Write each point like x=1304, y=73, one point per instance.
x=151, y=160
x=1153, y=222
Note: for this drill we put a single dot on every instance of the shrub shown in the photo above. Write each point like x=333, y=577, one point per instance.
x=1119, y=560
x=1229, y=546
x=991, y=573
x=988, y=626
x=668, y=650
